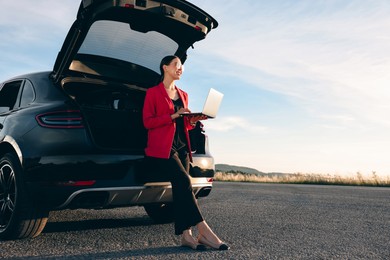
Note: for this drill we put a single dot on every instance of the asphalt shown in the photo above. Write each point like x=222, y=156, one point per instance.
x=258, y=221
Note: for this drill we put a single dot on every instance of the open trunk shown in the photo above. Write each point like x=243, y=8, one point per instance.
x=111, y=55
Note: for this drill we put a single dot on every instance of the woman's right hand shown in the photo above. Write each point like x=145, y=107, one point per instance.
x=179, y=112
x=183, y=110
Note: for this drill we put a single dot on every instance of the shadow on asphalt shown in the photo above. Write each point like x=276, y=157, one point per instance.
x=94, y=224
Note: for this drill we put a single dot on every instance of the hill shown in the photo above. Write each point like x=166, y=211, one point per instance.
x=233, y=168
x=245, y=170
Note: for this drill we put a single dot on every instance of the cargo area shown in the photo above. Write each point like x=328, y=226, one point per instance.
x=113, y=113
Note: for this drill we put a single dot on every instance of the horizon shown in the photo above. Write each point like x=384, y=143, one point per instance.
x=245, y=169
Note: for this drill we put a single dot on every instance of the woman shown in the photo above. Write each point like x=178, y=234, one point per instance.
x=168, y=148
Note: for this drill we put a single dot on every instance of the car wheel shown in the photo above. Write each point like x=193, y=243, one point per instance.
x=160, y=213
x=19, y=216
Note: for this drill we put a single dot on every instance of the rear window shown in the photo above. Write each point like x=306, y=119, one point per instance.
x=116, y=40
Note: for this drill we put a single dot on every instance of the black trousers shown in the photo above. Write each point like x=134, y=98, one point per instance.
x=176, y=170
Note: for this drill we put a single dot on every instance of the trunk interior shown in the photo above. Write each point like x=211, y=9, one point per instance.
x=113, y=113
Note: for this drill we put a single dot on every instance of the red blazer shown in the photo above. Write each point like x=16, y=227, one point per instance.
x=157, y=111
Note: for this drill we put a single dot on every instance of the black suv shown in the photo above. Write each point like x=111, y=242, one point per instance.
x=74, y=138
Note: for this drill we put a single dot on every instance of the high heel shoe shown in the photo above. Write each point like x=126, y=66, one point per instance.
x=198, y=247
x=204, y=241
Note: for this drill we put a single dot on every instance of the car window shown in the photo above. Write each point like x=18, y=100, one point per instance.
x=9, y=94
x=28, y=94
x=117, y=40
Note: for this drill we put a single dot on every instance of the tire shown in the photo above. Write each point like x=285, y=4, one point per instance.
x=160, y=213
x=19, y=215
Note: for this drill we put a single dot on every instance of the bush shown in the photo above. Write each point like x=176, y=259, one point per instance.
x=300, y=178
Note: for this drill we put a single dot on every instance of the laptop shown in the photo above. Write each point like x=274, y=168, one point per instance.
x=211, y=105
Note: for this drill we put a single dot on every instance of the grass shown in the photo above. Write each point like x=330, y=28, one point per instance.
x=300, y=178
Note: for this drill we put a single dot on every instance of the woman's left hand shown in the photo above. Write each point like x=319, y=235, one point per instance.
x=194, y=119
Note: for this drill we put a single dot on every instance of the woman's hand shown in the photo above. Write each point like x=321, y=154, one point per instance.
x=183, y=110
x=194, y=119
x=179, y=112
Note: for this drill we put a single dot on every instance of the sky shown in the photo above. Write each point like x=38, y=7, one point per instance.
x=305, y=83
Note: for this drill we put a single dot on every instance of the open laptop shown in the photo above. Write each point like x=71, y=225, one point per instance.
x=211, y=105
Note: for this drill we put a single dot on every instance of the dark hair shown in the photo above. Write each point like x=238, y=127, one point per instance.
x=166, y=61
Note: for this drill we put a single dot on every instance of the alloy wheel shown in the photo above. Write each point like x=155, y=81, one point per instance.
x=7, y=194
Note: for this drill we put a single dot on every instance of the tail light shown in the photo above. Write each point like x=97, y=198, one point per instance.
x=76, y=183
x=61, y=119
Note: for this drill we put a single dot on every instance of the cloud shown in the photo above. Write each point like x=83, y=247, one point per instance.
x=337, y=121
x=225, y=124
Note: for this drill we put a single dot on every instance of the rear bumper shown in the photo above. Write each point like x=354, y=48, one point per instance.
x=60, y=196
x=126, y=196
x=105, y=181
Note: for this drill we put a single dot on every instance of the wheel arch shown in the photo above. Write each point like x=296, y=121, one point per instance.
x=9, y=145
